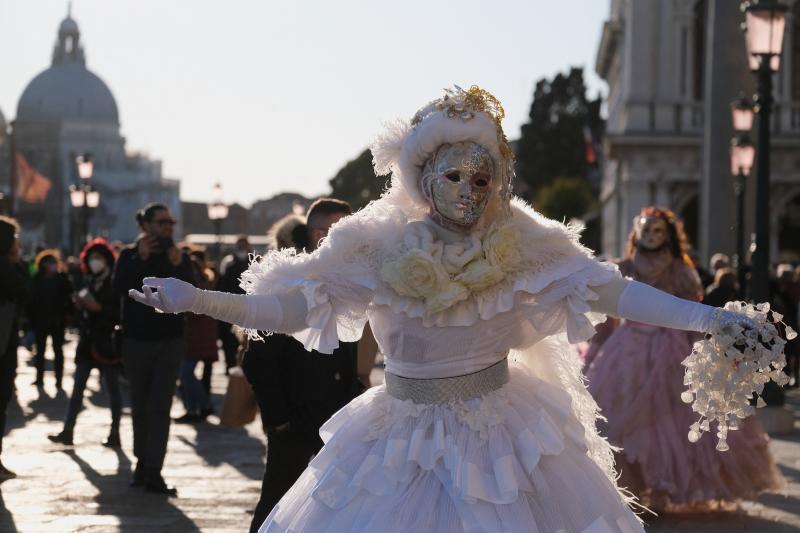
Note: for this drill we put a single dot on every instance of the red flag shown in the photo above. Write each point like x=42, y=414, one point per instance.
x=32, y=187
x=588, y=139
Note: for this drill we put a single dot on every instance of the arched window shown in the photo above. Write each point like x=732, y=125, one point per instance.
x=699, y=49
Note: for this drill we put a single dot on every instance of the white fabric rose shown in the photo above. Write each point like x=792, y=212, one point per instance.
x=480, y=275
x=448, y=296
x=415, y=274
x=501, y=246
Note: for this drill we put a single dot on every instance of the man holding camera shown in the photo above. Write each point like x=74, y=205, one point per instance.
x=152, y=343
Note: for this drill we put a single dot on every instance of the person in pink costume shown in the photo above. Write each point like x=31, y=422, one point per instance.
x=636, y=377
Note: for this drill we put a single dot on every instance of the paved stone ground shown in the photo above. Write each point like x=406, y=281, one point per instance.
x=217, y=471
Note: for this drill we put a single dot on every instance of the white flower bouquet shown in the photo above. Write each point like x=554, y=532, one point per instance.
x=732, y=364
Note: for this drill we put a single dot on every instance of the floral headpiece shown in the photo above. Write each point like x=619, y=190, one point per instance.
x=459, y=115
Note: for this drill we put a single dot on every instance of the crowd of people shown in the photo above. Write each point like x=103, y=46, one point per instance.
x=47, y=297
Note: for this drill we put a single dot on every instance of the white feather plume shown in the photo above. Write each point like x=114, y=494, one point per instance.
x=387, y=145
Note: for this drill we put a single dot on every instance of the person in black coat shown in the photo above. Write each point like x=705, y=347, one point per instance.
x=99, y=315
x=50, y=303
x=232, y=268
x=14, y=288
x=297, y=390
x=152, y=343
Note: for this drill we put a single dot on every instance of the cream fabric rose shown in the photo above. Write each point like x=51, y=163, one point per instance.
x=480, y=275
x=457, y=255
x=415, y=274
x=501, y=246
x=448, y=296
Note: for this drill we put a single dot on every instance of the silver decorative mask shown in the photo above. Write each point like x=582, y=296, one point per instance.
x=458, y=181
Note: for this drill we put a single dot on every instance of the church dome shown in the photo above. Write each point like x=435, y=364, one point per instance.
x=67, y=90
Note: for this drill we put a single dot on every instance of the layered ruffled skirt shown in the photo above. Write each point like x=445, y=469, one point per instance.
x=513, y=460
x=636, y=379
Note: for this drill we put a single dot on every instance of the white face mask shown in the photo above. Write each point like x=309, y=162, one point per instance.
x=97, y=265
x=241, y=255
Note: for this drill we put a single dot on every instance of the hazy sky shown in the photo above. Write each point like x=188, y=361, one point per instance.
x=270, y=96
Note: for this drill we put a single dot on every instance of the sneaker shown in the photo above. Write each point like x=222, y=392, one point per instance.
x=65, y=438
x=205, y=413
x=156, y=484
x=189, y=418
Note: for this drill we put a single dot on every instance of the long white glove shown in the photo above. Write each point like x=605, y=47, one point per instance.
x=285, y=312
x=637, y=301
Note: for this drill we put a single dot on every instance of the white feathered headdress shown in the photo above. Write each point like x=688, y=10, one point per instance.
x=472, y=115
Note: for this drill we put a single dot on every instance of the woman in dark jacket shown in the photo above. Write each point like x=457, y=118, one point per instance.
x=14, y=285
x=99, y=314
x=50, y=302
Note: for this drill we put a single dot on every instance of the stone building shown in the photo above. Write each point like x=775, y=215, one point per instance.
x=673, y=67
x=67, y=110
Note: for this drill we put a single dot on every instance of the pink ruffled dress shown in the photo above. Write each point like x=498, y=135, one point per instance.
x=523, y=457
x=636, y=377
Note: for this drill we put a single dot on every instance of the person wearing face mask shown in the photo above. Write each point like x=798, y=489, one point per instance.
x=98, y=305
x=636, y=376
x=49, y=306
x=231, y=269
x=484, y=422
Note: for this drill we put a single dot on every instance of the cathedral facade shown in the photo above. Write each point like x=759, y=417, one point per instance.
x=66, y=111
x=673, y=67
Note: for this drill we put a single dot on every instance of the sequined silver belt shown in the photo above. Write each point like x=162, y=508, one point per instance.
x=444, y=390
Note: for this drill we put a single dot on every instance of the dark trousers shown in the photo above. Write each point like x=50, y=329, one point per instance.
x=110, y=376
x=288, y=454
x=56, y=335
x=8, y=371
x=230, y=344
x=152, y=370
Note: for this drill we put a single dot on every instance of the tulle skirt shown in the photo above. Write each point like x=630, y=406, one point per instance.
x=636, y=379
x=513, y=460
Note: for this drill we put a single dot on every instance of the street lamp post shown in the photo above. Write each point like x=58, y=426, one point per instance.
x=217, y=212
x=764, y=25
x=742, y=154
x=83, y=196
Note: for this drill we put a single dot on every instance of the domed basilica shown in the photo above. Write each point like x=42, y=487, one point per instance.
x=65, y=111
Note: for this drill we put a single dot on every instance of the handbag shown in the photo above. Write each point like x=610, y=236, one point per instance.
x=240, y=406
x=105, y=348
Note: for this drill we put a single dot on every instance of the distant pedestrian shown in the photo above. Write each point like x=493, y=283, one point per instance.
x=98, y=306
x=49, y=306
x=724, y=289
x=201, y=345
x=14, y=288
x=153, y=343
x=231, y=268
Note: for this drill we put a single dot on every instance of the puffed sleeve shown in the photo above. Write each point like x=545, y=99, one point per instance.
x=338, y=280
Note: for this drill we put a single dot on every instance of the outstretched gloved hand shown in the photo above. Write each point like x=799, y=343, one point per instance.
x=167, y=295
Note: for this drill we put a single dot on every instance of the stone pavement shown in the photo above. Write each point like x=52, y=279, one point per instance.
x=217, y=471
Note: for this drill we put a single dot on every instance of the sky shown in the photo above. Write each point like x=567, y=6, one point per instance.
x=266, y=96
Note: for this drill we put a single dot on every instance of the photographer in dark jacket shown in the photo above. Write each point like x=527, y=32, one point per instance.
x=14, y=287
x=297, y=391
x=99, y=314
x=153, y=344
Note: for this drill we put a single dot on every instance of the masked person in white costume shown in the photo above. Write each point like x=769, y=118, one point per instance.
x=483, y=423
